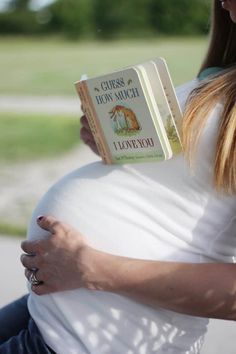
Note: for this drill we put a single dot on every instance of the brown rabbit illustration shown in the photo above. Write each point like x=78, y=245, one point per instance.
x=129, y=117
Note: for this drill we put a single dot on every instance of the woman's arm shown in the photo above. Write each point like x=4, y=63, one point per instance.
x=65, y=261
x=205, y=290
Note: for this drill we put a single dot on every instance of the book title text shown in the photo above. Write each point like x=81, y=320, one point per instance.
x=115, y=90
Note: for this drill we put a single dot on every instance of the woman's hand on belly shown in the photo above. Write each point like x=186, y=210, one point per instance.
x=60, y=262
x=65, y=261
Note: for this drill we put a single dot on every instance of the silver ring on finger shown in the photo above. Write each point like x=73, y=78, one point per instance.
x=33, y=279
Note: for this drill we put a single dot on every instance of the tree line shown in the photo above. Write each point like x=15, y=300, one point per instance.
x=106, y=19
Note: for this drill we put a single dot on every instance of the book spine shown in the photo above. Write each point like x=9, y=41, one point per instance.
x=170, y=94
x=93, y=121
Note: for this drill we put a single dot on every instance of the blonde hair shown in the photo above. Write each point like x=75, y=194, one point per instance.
x=218, y=88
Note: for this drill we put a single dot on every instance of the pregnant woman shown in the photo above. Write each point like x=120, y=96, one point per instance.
x=133, y=259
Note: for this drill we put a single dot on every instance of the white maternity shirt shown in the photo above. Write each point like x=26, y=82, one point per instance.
x=156, y=211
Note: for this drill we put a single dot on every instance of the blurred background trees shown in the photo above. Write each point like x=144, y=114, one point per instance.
x=106, y=19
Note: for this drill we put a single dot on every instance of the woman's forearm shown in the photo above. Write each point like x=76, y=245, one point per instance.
x=64, y=261
x=206, y=290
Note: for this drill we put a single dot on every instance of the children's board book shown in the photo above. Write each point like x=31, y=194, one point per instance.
x=133, y=113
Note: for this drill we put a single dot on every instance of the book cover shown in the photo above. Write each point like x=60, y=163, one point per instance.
x=129, y=115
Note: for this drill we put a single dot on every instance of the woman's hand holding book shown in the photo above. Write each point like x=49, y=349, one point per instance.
x=86, y=134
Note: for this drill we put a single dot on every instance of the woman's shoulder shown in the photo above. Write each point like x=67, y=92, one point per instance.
x=184, y=90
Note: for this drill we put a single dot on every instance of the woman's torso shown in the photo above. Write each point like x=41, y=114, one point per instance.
x=158, y=211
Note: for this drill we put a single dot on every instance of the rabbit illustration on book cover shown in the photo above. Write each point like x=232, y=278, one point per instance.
x=124, y=120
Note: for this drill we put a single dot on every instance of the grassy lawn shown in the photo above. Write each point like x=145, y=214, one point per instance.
x=12, y=230
x=25, y=137
x=50, y=66
x=28, y=137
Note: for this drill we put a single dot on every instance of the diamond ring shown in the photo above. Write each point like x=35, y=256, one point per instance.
x=33, y=279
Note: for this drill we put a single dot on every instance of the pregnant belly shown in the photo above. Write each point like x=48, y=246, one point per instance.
x=119, y=212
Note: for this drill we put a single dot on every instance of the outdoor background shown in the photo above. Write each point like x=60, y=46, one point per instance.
x=45, y=46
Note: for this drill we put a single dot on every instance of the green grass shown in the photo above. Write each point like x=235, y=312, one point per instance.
x=51, y=66
x=12, y=230
x=26, y=137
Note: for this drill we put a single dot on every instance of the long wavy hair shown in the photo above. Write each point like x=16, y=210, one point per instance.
x=218, y=88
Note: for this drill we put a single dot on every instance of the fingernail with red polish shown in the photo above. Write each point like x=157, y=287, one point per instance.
x=40, y=218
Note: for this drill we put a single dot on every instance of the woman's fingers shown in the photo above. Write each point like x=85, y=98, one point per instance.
x=29, y=247
x=56, y=261
x=41, y=288
x=86, y=134
x=30, y=261
x=87, y=137
x=51, y=224
x=84, y=122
